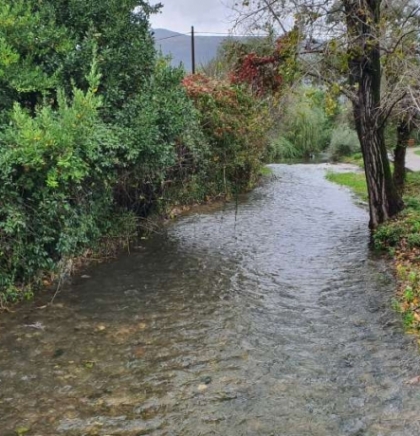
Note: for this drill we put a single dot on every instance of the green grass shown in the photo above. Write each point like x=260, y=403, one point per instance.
x=417, y=152
x=412, y=186
x=355, y=159
x=265, y=171
x=355, y=181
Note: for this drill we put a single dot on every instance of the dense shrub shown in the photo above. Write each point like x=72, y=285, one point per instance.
x=235, y=126
x=344, y=142
x=303, y=128
x=96, y=131
x=32, y=47
x=55, y=184
x=282, y=148
x=68, y=176
x=164, y=146
x=120, y=30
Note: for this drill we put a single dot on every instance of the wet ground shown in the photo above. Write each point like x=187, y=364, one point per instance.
x=269, y=318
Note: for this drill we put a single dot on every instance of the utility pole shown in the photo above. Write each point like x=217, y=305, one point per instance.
x=192, y=50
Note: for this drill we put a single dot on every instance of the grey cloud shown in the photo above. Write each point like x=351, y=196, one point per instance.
x=205, y=15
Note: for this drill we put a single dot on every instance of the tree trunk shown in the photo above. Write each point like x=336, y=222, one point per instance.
x=384, y=199
x=403, y=135
x=363, y=23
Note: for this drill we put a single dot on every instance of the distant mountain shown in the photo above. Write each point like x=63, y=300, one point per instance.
x=178, y=46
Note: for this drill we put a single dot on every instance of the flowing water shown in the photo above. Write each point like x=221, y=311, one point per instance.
x=269, y=318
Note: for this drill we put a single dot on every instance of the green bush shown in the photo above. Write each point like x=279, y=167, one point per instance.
x=303, y=128
x=404, y=231
x=412, y=203
x=163, y=144
x=344, y=142
x=55, y=184
x=282, y=149
x=235, y=126
x=388, y=236
x=66, y=176
x=84, y=155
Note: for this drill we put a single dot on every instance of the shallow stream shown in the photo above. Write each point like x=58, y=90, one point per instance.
x=269, y=317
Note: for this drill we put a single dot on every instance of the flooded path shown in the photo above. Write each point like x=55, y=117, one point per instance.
x=268, y=319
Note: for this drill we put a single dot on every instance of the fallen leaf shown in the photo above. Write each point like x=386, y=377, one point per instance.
x=414, y=381
x=89, y=364
x=139, y=351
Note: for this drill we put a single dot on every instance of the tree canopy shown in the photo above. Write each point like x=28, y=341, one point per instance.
x=350, y=45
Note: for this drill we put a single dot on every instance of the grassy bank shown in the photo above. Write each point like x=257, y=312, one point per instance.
x=355, y=181
x=401, y=239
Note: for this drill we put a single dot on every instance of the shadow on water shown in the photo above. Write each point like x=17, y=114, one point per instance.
x=267, y=319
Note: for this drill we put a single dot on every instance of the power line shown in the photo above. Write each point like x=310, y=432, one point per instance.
x=178, y=35
x=231, y=34
x=173, y=36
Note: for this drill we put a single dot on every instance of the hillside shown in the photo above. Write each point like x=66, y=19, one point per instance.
x=178, y=46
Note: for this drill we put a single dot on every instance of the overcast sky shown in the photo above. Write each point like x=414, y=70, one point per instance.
x=204, y=15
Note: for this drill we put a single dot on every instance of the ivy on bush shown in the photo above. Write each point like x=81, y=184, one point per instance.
x=235, y=125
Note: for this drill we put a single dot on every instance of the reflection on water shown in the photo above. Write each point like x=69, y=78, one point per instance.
x=268, y=319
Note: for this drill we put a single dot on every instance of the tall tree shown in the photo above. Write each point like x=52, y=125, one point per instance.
x=120, y=31
x=50, y=43
x=345, y=43
x=405, y=118
x=401, y=76
x=32, y=47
